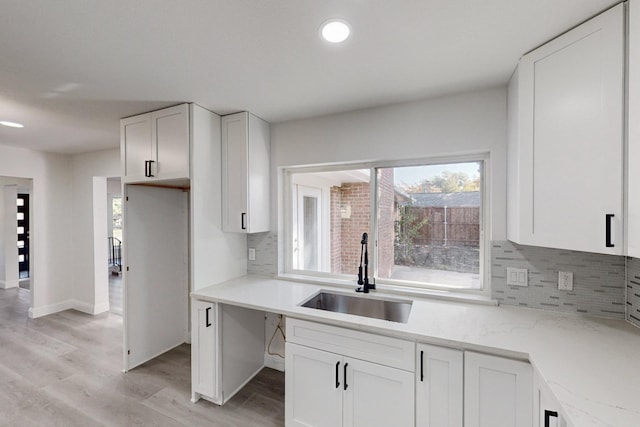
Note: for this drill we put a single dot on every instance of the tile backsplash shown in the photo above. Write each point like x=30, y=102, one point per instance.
x=598, y=280
x=266, y=262
x=633, y=291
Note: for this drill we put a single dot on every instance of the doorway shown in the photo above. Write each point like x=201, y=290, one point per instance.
x=16, y=254
x=114, y=239
x=22, y=205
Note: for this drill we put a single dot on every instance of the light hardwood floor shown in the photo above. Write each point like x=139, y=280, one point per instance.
x=65, y=370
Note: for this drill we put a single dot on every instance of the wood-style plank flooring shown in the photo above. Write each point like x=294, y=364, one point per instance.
x=65, y=370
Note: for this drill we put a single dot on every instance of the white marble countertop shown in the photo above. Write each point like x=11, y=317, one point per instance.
x=592, y=365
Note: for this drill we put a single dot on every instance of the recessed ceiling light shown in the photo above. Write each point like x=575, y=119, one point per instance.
x=11, y=124
x=335, y=31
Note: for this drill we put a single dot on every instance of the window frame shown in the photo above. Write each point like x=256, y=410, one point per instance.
x=286, y=222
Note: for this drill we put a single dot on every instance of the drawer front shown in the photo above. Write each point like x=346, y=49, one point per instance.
x=379, y=349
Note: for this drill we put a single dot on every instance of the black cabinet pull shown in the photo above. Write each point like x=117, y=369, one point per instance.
x=206, y=313
x=345, y=376
x=608, y=218
x=243, y=218
x=421, y=365
x=337, y=370
x=146, y=168
x=150, y=174
x=548, y=414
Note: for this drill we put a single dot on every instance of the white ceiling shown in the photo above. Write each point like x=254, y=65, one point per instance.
x=69, y=69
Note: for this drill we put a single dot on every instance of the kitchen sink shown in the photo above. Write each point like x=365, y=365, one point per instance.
x=378, y=308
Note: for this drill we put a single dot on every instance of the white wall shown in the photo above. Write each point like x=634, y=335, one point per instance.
x=9, y=274
x=455, y=124
x=90, y=294
x=52, y=288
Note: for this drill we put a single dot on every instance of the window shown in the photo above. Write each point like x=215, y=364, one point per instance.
x=427, y=220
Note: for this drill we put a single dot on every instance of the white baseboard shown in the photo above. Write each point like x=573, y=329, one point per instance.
x=7, y=284
x=274, y=362
x=68, y=305
x=90, y=308
x=50, y=309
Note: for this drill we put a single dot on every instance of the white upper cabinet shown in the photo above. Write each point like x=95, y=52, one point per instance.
x=245, y=173
x=155, y=146
x=566, y=140
x=633, y=162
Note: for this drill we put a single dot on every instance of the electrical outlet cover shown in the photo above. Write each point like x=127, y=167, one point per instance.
x=565, y=280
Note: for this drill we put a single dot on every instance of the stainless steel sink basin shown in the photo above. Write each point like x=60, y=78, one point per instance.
x=386, y=309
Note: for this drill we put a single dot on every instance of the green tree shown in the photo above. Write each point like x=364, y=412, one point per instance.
x=407, y=229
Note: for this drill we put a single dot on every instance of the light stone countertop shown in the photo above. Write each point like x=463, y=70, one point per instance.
x=591, y=365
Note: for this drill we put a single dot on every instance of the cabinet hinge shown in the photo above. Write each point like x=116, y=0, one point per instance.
x=127, y=268
x=126, y=199
x=128, y=351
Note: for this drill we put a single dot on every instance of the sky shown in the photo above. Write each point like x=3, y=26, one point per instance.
x=415, y=174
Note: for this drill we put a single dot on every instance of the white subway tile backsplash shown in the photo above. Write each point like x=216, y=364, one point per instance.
x=633, y=291
x=598, y=280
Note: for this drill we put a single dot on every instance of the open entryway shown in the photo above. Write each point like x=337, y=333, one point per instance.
x=114, y=240
x=15, y=235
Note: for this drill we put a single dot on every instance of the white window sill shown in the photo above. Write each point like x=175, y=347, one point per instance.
x=412, y=292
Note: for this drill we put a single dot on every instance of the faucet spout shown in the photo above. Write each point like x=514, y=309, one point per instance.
x=365, y=286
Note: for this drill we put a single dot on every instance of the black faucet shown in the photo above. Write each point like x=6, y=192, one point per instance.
x=364, y=283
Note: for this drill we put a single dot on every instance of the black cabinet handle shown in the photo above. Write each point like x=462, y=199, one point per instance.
x=337, y=370
x=243, y=218
x=608, y=218
x=150, y=174
x=345, y=375
x=206, y=313
x=548, y=414
x=421, y=365
x=146, y=168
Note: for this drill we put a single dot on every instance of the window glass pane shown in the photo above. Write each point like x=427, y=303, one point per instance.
x=19, y=202
x=20, y=243
x=330, y=211
x=310, y=232
x=20, y=216
x=429, y=224
x=20, y=230
x=20, y=258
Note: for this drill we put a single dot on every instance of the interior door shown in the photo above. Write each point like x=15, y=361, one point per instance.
x=23, y=235
x=155, y=275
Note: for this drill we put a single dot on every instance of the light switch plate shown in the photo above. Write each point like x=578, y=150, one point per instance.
x=517, y=276
x=565, y=280
x=252, y=254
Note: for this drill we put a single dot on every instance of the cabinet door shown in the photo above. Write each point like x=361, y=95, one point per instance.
x=135, y=145
x=497, y=392
x=572, y=121
x=546, y=409
x=259, y=188
x=170, y=133
x=377, y=395
x=313, y=387
x=234, y=172
x=204, y=348
x=439, y=387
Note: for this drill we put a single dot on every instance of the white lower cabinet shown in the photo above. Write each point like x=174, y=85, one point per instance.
x=546, y=409
x=439, y=386
x=497, y=392
x=227, y=349
x=329, y=388
x=204, y=351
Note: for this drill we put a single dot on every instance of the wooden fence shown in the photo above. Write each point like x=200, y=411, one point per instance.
x=447, y=226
